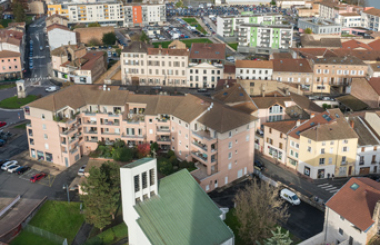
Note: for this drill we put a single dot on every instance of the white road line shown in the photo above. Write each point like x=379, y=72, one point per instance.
x=329, y=189
x=334, y=191
x=323, y=184
x=327, y=186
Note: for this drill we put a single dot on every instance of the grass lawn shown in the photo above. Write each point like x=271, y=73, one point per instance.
x=22, y=126
x=194, y=22
x=110, y=235
x=29, y=238
x=188, y=42
x=60, y=218
x=5, y=22
x=9, y=85
x=233, y=45
x=16, y=103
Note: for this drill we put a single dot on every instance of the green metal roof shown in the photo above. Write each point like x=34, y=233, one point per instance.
x=182, y=213
x=138, y=162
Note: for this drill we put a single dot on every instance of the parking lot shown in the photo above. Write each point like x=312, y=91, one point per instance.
x=47, y=181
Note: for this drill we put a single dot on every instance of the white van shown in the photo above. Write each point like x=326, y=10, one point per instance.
x=290, y=197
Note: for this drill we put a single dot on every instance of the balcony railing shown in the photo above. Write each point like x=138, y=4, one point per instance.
x=199, y=155
x=202, y=146
x=91, y=131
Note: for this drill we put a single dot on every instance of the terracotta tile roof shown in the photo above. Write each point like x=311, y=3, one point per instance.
x=310, y=41
x=282, y=56
x=229, y=69
x=373, y=11
x=366, y=136
x=305, y=103
x=357, y=204
x=63, y=50
x=266, y=64
x=246, y=107
x=54, y=26
x=375, y=83
x=167, y=51
x=353, y=44
x=266, y=102
x=213, y=51
x=136, y=47
x=349, y=14
x=291, y=65
x=365, y=55
x=233, y=94
x=375, y=67
x=86, y=62
x=346, y=60
x=56, y=16
x=310, y=52
x=282, y=126
x=222, y=83
x=375, y=45
x=8, y=54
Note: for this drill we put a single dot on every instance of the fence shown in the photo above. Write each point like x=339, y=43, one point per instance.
x=46, y=234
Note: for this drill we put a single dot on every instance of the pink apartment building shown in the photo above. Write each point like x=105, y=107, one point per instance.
x=68, y=124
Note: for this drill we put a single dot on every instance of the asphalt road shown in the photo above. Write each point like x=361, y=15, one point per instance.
x=304, y=222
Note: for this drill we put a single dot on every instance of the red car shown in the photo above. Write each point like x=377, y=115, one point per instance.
x=37, y=177
x=2, y=124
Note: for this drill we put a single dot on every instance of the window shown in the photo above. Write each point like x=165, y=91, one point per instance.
x=280, y=145
x=230, y=134
x=345, y=141
x=229, y=165
x=144, y=180
x=45, y=136
x=46, y=146
x=270, y=130
x=309, y=141
x=42, y=116
x=344, y=158
x=229, y=145
x=321, y=161
x=323, y=143
x=341, y=231
x=207, y=187
x=341, y=217
x=152, y=176
x=247, y=137
x=330, y=160
x=309, y=149
x=136, y=179
x=345, y=149
x=229, y=155
x=332, y=143
x=323, y=151
x=296, y=154
x=291, y=152
x=43, y=126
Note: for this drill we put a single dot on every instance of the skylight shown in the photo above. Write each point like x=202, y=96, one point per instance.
x=354, y=186
x=197, y=52
x=298, y=133
x=225, y=93
x=312, y=123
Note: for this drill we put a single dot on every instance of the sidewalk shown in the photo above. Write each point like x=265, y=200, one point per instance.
x=306, y=186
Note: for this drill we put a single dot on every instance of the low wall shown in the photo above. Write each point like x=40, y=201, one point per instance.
x=315, y=240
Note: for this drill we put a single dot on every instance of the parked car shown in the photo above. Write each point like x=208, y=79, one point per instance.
x=290, y=196
x=2, y=142
x=258, y=165
x=37, y=177
x=22, y=170
x=6, y=165
x=2, y=124
x=2, y=161
x=51, y=89
x=81, y=170
x=13, y=168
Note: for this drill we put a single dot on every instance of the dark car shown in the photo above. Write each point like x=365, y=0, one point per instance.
x=2, y=142
x=37, y=177
x=22, y=170
x=258, y=165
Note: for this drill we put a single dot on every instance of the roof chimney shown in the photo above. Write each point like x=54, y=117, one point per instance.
x=298, y=123
x=352, y=124
x=312, y=115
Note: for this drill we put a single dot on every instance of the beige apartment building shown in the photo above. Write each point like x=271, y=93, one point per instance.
x=336, y=73
x=68, y=124
x=254, y=69
x=321, y=147
x=144, y=65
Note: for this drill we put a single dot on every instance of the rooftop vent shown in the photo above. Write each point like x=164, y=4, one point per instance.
x=354, y=186
x=196, y=52
x=217, y=52
x=225, y=93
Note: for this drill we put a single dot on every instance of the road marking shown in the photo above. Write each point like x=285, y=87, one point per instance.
x=329, y=189
x=323, y=184
x=334, y=191
x=327, y=186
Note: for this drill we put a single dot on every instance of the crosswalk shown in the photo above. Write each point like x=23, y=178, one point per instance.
x=329, y=188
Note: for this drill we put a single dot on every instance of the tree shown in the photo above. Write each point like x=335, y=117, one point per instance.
x=273, y=2
x=153, y=149
x=144, y=37
x=95, y=24
x=164, y=166
x=95, y=202
x=19, y=12
x=93, y=42
x=179, y=4
x=102, y=187
x=308, y=31
x=278, y=238
x=143, y=150
x=109, y=38
x=258, y=210
x=118, y=51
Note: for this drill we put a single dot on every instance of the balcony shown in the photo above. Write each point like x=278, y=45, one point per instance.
x=200, y=145
x=201, y=172
x=200, y=156
x=91, y=131
x=133, y=136
x=110, y=123
x=203, y=134
x=110, y=133
x=163, y=131
x=69, y=131
x=89, y=122
x=163, y=140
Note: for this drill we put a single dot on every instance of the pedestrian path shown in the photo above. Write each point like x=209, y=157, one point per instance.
x=328, y=187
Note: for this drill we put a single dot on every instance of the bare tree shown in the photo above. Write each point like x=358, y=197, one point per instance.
x=259, y=210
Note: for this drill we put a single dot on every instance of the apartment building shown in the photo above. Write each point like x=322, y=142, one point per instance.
x=12, y=48
x=332, y=9
x=69, y=123
x=320, y=26
x=144, y=65
x=103, y=12
x=336, y=72
x=370, y=19
x=265, y=39
x=296, y=71
x=145, y=14
x=367, y=160
x=350, y=19
x=228, y=26
x=152, y=206
x=318, y=147
x=56, y=19
x=206, y=64
x=254, y=69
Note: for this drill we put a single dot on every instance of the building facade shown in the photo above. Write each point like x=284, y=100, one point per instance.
x=69, y=124
x=320, y=26
x=254, y=69
x=59, y=35
x=370, y=19
x=144, y=14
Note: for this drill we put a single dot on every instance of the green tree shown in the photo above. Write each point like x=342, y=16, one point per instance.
x=95, y=202
x=258, y=210
x=179, y=4
x=153, y=149
x=308, y=31
x=118, y=51
x=273, y=2
x=123, y=154
x=164, y=166
x=95, y=24
x=109, y=38
x=19, y=12
x=278, y=238
x=93, y=42
x=144, y=37
x=112, y=171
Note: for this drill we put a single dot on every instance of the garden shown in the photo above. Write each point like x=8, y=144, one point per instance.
x=16, y=103
x=194, y=22
x=167, y=162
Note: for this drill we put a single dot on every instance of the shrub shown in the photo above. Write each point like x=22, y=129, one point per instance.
x=94, y=42
x=120, y=231
x=184, y=164
x=174, y=161
x=95, y=24
x=164, y=166
x=171, y=153
x=109, y=38
x=123, y=154
x=143, y=150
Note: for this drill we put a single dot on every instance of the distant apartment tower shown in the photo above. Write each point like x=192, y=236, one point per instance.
x=228, y=26
x=146, y=14
x=370, y=19
x=320, y=26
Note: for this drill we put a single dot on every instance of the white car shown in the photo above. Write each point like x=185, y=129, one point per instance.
x=81, y=170
x=8, y=164
x=290, y=197
x=51, y=89
x=13, y=168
